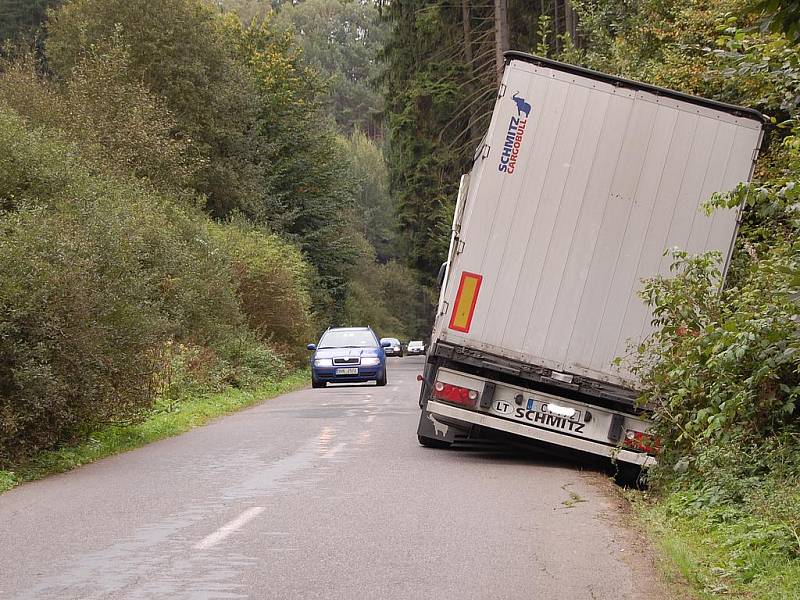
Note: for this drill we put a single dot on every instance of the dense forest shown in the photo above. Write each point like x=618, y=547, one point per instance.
x=191, y=190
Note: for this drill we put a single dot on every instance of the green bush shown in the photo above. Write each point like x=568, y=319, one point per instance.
x=119, y=123
x=78, y=327
x=241, y=360
x=389, y=298
x=246, y=361
x=735, y=507
x=719, y=364
x=98, y=277
x=273, y=283
x=179, y=51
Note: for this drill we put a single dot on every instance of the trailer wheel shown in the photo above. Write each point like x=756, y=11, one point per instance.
x=631, y=476
x=432, y=443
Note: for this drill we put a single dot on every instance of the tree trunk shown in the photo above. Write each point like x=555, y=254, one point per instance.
x=468, y=58
x=569, y=20
x=500, y=34
x=556, y=26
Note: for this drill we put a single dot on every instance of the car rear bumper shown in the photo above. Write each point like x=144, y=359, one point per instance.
x=328, y=375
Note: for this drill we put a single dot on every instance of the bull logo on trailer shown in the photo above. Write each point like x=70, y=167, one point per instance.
x=514, y=135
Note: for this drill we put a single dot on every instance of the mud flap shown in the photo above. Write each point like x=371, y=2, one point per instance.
x=430, y=426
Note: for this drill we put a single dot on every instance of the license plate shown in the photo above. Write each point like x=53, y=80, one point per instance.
x=555, y=410
x=543, y=414
x=347, y=371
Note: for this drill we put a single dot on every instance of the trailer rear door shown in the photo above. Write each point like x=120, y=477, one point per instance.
x=580, y=189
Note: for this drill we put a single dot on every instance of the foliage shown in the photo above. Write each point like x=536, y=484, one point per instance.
x=244, y=361
x=722, y=368
x=410, y=301
x=781, y=16
x=89, y=316
x=730, y=518
x=273, y=284
x=248, y=10
x=116, y=293
x=389, y=298
x=663, y=42
x=121, y=125
x=440, y=83
x=248, y=119
x=180, y=51
x=98, y=276
x=724, y=362
x=729, y=362
x=22, y=18
x=422, y=101
x=341, y=39
x=313, y=197
x=375, y=204
x=765, y=67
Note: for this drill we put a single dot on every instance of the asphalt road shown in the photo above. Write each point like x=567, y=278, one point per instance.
x=320, y=494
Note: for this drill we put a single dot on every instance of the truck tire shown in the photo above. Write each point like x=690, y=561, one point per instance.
x=432, y=443
x=631, y=476
x=382, y=379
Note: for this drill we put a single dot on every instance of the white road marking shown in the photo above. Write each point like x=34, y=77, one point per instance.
x=325, y=437
x=227, y=529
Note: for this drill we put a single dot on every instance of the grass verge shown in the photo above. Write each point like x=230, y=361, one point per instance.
x=720, y=553
x=165, y=421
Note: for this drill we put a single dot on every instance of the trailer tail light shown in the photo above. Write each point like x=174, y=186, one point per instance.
x=455, y=394
x=643, y=442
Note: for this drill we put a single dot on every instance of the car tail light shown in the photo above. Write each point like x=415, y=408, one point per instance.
x=644, y=442
x=455, y=393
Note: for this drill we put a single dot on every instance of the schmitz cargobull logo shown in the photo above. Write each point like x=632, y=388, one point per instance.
x=514, y=135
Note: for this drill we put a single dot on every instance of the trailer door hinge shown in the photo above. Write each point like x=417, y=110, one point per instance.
x=459, y=246
x=501, y=91
x=445, y=307
x=485, y=152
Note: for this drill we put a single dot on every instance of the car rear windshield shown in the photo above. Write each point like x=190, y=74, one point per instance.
x=348, y=339
x=414, y=344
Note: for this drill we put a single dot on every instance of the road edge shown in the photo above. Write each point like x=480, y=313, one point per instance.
x=663, y=580
x=112, y=440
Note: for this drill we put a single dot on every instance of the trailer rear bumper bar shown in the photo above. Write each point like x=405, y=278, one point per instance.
x=536, y=433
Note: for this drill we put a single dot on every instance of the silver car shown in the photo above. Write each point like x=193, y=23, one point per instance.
x=415, y=347
x=394, y=348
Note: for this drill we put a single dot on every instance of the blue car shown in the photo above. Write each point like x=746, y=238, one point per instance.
x=348, y=355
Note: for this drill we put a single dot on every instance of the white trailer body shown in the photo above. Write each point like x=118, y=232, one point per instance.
x=582, y=183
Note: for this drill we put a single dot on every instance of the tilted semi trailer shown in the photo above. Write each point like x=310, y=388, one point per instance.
x=581, y=184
